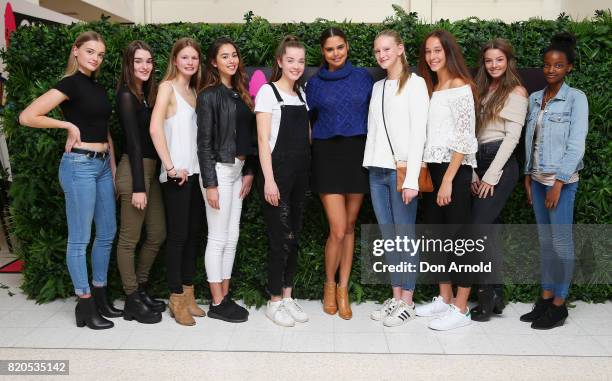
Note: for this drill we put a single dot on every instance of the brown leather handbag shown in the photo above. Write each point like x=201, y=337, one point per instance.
x=425, y=183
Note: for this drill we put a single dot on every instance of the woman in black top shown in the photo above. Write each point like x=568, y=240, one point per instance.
x=137, y=185
x=86, y=173
x=226, y=135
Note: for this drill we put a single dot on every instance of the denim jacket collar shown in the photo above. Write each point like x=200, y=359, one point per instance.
x=561, y=94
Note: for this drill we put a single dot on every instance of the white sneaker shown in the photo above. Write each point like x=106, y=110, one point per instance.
x=433, y=308
x=278, y=314
x=295, y=310
x=453, y=318
x=385, y=310
x=401, y=314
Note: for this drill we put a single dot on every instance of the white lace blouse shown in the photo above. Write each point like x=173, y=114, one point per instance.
x=451, y=126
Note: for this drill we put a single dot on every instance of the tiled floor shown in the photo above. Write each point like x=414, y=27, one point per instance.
x=25, y=324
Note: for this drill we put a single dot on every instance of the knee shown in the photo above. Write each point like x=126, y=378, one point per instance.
x=337, y=233
x=350, y=228
x=155, y=237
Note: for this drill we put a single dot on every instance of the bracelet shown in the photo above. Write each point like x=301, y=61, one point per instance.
x=168, y=170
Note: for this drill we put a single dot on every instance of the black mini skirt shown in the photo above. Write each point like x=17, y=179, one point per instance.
x=337, y=165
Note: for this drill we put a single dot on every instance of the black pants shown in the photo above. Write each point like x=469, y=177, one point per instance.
x=284, y=222
x=486, y=211
x=184, y=214
x=457, y=215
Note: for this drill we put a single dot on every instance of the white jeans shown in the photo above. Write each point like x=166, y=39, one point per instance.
x=223, y=223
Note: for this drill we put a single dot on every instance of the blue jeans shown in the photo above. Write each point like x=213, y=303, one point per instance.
x=395, y=219
x=555, y=236
x=90, y=196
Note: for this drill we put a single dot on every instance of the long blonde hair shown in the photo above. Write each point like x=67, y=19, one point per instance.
x=171, y=72
x=72, y=66
x=405, y=67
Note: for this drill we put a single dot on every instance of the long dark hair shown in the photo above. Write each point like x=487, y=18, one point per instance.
x=507, y=83
x=127, y=78
x=288, y=41
x=211, y=73
x=455, y=63
x=328, y=33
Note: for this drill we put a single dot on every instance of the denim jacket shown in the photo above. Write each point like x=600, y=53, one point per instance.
x=563, y=133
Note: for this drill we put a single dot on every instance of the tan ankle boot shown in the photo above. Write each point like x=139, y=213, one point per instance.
x=192, y=306
x=329, y=298
x=178, y=309
x=344, y=305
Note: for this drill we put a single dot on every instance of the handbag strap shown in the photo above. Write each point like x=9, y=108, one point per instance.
x=383, y=118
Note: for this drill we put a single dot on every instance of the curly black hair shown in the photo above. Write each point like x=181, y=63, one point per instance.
x=565, y=43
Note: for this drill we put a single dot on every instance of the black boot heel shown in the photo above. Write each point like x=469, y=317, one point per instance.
x=498, y=296
x=86, y=314
x=486, y=301
x=136, y=309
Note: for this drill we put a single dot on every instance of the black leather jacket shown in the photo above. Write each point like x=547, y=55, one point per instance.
x=216, y=118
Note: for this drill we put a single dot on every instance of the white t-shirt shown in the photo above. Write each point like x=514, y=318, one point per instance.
x=266, y=101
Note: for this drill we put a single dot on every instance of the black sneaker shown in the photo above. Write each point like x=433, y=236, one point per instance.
x=236, y=306
x=227, y=312
x=539, y=308
x=553, y=317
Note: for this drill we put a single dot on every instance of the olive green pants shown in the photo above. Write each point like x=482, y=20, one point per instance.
x=132, y=221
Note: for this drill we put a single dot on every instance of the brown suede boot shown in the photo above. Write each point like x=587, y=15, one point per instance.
x=329, y=298
x=192, y=306
x=177, y=305
x=344, y=305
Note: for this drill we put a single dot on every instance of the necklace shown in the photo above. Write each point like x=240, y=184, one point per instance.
x=547, y=97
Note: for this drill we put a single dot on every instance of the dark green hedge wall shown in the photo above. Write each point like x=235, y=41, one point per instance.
x=36, y=58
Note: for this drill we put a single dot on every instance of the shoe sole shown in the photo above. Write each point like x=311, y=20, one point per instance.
x=451, y=328
x=213, y=315
x=557, y=324
x=279, y=323
x=131, y=318
x=397, y=325
x=430, y=315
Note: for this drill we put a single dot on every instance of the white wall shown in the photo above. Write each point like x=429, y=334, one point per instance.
x=369, y=11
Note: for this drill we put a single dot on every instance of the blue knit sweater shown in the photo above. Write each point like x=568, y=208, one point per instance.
x=339, y=101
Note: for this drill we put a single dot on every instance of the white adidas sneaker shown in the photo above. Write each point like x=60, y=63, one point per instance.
x=433, y=308
x=295, y=310
x=385, y=310
x=401, y=314
x=453, y=318
x=277, y=312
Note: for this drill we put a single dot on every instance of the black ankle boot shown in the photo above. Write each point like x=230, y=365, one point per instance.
x=154, y=304
x=498, y=295
x=105, y=308
x=553, y=317
x=486, y=302
x=135, y=308
x=539, y=308
x=86, y=314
